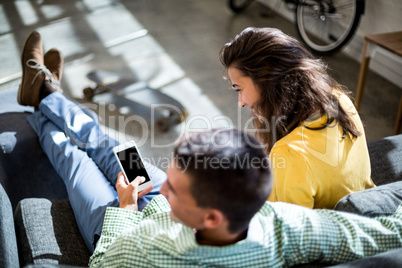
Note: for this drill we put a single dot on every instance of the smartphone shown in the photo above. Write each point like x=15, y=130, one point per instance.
x=130, y=161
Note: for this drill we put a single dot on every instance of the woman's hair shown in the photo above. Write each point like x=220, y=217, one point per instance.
x=293, y=85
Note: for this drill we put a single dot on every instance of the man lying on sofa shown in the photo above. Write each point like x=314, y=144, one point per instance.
x=212, y=211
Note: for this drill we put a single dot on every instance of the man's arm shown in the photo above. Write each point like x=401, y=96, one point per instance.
x=119, y=219
x=305, y=235
x=121, y=227
x=116, y=221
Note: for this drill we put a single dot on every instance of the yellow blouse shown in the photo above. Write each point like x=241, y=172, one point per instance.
x=316, y=168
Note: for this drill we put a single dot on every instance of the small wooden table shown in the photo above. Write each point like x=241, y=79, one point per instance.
x=391, y=42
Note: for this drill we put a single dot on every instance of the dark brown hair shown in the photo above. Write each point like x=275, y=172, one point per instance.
x=293, y=85
x=227, y=172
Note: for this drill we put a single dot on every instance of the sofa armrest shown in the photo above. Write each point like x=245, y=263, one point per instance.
x=392, y=258
x=47, y=233
x=379, y=201
x=386, y=159
x=50, y=266
x=8, y=244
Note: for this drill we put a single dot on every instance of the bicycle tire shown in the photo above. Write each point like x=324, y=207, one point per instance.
x=325, y=26
x=238, y=6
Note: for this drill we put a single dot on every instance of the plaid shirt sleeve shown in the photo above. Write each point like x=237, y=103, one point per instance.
x=304, y=235
x=118, y=220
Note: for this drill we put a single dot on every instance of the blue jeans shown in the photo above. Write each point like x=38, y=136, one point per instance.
x=83, y=157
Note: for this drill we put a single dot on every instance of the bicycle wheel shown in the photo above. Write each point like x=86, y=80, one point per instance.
x=325, y=26
x=239, y=5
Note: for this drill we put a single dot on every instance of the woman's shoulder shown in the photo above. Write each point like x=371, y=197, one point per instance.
x=292, y=143
x=309, y=137
x=348, y=106
x=314, y=130
x=344, y=101
x=304, y=131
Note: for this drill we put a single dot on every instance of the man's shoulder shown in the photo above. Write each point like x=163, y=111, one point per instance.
x=283, y=211
x=158, y=204
x=157, y=219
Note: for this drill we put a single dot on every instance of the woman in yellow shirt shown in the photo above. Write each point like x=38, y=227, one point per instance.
x=310, y=128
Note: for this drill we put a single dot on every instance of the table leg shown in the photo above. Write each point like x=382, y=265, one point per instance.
x=362, y=76
x=398, y=119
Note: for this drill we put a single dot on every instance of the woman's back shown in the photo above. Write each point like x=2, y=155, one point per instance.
x=316, y=168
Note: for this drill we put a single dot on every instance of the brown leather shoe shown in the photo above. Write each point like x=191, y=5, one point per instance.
x=54, y=61
x=32, y=75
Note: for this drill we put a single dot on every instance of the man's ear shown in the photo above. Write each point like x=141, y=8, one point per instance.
x=213, y=219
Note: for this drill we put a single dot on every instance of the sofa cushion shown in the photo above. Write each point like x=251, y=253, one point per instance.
x=23, y=164
x=381, y=200
x=392, y=258
x=47, y=233
x=386, y=159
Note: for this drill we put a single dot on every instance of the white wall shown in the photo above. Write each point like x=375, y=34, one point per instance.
x=380, y=16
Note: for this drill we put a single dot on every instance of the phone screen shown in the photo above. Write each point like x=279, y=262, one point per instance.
x=132, y=164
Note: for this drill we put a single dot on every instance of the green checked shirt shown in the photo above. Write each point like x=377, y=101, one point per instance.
x=279, y=235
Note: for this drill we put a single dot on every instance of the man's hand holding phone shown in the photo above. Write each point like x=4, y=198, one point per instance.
x=128, y=193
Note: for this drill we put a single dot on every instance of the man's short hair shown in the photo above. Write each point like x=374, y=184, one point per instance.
x=228, y=171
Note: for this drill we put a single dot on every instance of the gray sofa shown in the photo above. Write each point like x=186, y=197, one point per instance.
x=37, y=225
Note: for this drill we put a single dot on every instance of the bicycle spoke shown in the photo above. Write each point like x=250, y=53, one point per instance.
x=334, y=16
x=325, y=25
x=347, y=5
